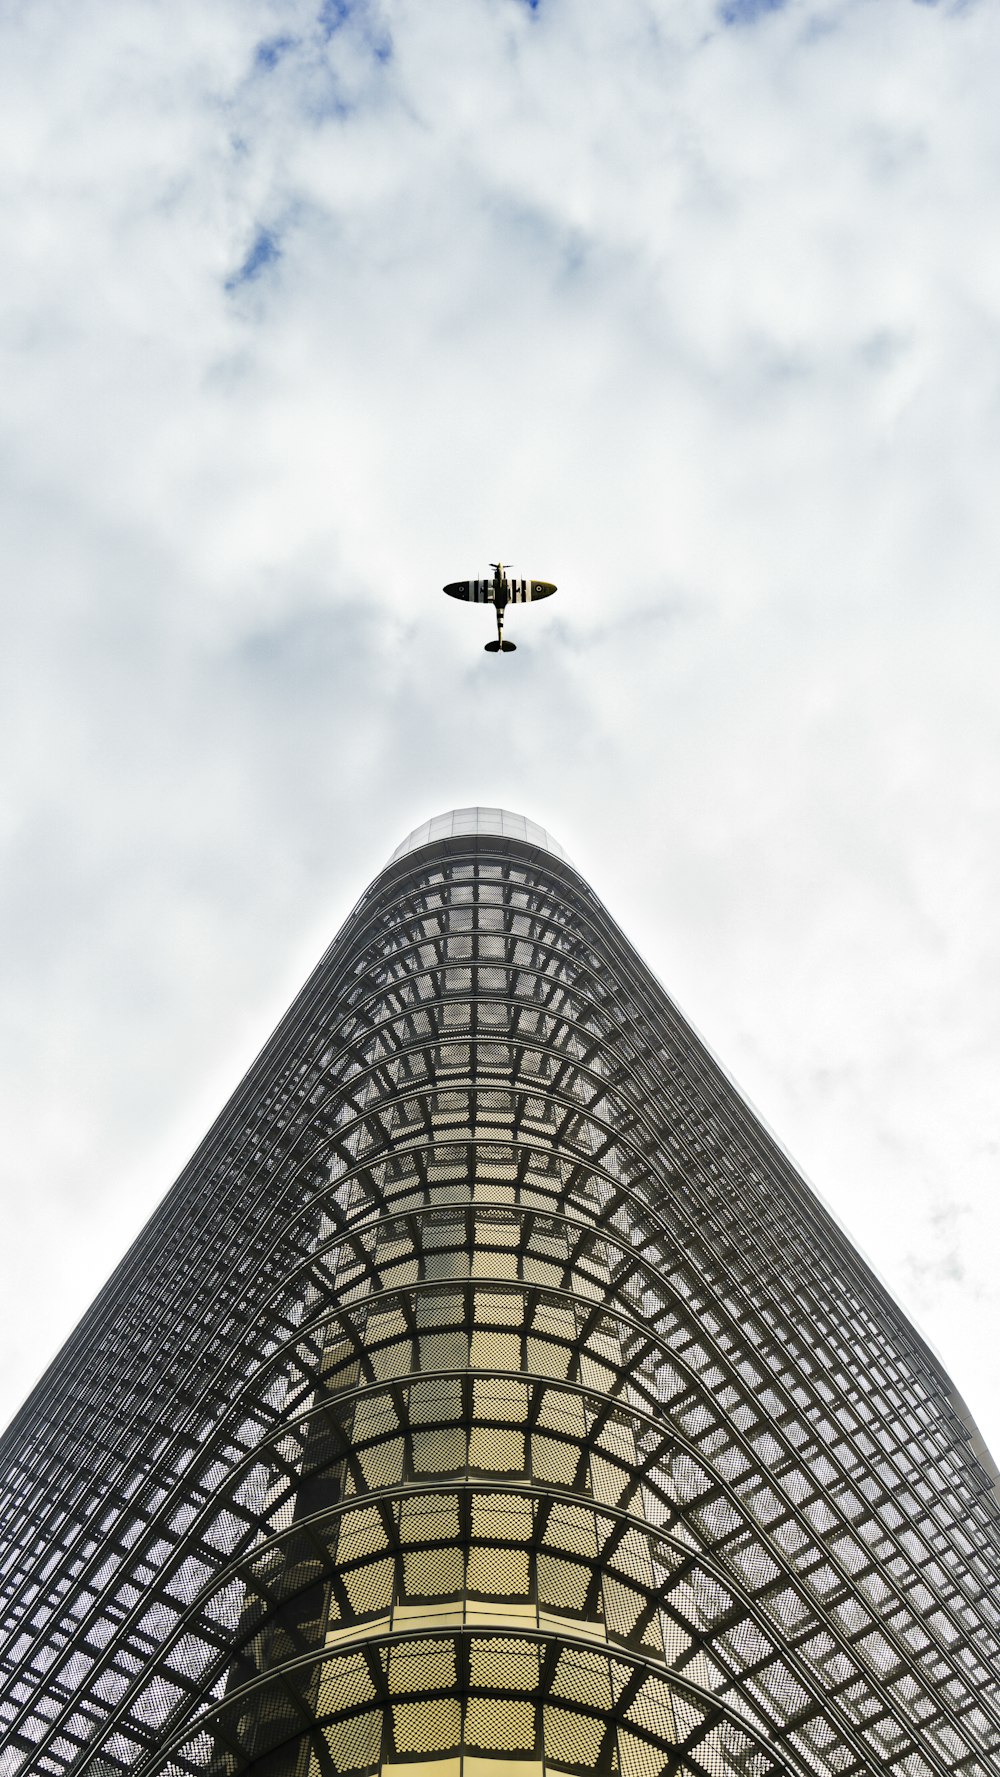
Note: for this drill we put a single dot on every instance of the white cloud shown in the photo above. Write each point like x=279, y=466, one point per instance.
x=700, y=320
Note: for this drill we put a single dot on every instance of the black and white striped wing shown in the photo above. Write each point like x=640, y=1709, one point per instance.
x=524, y=592
x=476, y=592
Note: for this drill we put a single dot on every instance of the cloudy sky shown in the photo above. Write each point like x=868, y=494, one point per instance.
x=309, y=306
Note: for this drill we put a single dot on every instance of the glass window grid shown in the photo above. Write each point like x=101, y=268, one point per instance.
x=701, y=1209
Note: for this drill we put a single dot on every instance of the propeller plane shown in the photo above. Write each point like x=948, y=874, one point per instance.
x=503, y=589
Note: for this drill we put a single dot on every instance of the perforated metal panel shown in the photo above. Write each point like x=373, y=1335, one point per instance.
x=490, y=1398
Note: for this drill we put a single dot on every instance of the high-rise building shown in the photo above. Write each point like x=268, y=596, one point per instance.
x=491, y=1398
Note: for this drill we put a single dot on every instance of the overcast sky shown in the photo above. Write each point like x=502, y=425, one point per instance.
x=691, y=307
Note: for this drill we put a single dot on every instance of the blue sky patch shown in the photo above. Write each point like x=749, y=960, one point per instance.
x=270, y=52
x=264, y=251
x=332, y=14
x=744, y=12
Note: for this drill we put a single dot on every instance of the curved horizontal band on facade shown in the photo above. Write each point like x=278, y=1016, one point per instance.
x=680, y=1748
x=692, y=1562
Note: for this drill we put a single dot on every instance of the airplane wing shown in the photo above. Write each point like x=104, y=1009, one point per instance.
x=523, y=592
x=477, y=592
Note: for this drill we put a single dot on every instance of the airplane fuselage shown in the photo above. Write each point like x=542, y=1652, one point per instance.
x=500, y=591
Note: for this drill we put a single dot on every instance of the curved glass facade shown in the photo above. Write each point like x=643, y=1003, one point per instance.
x=490, y=1398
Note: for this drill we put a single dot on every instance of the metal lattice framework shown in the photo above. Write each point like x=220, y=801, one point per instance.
x=490, y=1392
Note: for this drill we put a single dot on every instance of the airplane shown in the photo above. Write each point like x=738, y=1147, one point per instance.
x=504, y=589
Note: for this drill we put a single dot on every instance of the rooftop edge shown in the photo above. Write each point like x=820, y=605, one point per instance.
x=495, y=823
